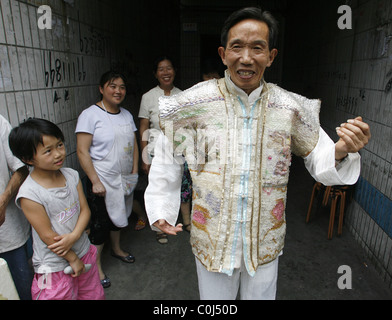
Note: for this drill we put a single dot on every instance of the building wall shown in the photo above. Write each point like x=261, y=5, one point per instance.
x=199, y=20
x=54, y=73
x=350, y=71
x=196, y=22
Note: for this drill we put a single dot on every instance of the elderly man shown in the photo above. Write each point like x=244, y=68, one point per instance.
x=237, y=135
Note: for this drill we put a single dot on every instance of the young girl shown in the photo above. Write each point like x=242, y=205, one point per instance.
x=53, y=201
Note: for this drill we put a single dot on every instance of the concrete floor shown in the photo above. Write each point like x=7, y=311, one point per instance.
x=308, y=269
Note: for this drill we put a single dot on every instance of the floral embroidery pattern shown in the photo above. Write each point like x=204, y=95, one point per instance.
x=199, y=219
x=213, y=202
x=279, y=144
x=281, y=168
x=269, y=190
x=200, y=216
x=278, y=211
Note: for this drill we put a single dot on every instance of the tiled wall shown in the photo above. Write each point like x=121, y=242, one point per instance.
x=54, y=73
x=350, y=71
x=370, y=220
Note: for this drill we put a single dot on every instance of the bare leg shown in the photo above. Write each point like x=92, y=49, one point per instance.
x=115, y=240
x=99, y=265
x=186, y=215
x=141, y=213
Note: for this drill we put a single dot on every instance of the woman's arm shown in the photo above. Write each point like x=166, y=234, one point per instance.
x=82, y=149
x=11, y=190
x=135, y=157
x=144, y=127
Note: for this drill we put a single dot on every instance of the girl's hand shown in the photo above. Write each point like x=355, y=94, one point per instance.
x=77, y=266
x=63, y=244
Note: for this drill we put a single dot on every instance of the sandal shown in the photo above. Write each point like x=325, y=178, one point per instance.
x=128, y=259
x=140, y=224
x=106, y=282
x=162, y=238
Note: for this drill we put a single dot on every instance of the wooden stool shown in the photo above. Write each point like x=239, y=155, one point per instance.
x=333, y=193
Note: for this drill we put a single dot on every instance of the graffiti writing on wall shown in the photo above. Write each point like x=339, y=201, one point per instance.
x=56, y=70
x=60, y=72
x=91, y=40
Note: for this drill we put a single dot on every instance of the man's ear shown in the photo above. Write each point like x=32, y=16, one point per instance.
x=273, y=54
x=222, y=54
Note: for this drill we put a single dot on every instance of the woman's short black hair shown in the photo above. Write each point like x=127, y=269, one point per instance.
x=110, y=76
x=24, y=139
x=159, y=59
x=256, y=14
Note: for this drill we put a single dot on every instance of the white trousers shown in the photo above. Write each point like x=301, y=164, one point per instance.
x=220, y=286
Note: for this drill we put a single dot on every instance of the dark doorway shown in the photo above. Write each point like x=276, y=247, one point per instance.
x=209, y=57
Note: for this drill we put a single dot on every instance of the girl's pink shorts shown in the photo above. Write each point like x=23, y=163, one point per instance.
x=60, y=286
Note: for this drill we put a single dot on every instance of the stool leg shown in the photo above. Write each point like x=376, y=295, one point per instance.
x=332, y=216
x=311, y=202
x=342, y=207
x=326, y=195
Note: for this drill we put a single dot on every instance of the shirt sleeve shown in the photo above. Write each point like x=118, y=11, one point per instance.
x=321, y=164
x=86, y=122
x=163, y=193
x=133, y=125
x=144, y=111
x=72, y=175
x=13, y=163
x=29, y=191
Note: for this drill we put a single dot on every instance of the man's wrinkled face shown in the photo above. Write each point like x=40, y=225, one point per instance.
x=247, y=53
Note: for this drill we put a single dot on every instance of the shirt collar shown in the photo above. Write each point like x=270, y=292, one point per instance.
x=255, y=94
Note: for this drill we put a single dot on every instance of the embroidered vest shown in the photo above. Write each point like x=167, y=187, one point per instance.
x=239, y=158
